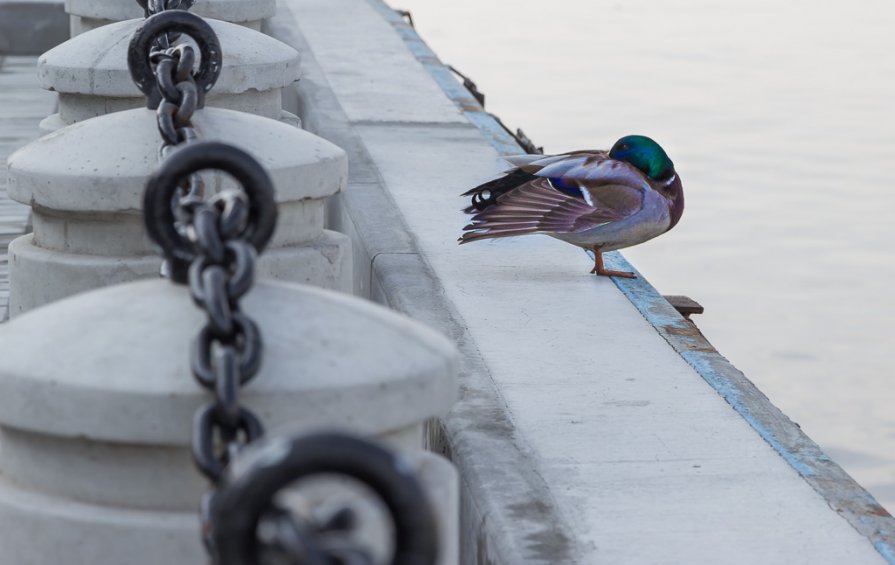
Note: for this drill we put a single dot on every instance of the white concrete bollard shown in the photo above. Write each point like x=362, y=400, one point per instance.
x=91, y=14
x=97, y=400
x=85, y=184
x=91, y=75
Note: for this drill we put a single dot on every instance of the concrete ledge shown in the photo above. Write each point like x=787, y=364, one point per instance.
x=503, y=499
x=30, y=27
x=842, y=493
x=478, y=437
x=586, y=430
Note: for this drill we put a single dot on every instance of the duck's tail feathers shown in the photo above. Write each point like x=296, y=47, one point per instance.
x=473, y=232
x=487, y=194
x=524, y=159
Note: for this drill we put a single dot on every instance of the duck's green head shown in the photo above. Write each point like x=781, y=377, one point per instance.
x=645, y=154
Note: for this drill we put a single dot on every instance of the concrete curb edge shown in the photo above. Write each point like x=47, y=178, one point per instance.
x=827, y=478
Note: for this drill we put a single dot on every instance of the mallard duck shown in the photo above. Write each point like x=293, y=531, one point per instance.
x=593, y=199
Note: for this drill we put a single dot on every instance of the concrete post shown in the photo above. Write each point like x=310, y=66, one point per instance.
x=96, y=404
x=91, y=14
x=85, y=184
x=90, y=73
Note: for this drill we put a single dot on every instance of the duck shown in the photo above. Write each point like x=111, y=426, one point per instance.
x=597, y=200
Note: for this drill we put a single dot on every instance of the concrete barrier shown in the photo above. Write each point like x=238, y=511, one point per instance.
x=85, y=181
x=102, y=469
x=96, y=425
x=85, y=184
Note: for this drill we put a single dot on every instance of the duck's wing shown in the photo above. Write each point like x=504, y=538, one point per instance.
x=562, y=194
x=525, y=168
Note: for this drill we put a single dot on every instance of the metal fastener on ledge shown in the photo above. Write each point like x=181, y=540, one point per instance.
x=685, y=305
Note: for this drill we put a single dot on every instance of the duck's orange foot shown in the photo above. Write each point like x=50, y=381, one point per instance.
x=602, y=272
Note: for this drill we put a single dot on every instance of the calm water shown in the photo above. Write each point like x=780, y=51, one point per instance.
x=779, y=117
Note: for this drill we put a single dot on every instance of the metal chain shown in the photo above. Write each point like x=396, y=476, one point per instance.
x=227, y=351
x=212, y=245
x=173, y=68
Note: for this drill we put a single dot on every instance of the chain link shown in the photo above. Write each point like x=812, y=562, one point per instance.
x=152, y=7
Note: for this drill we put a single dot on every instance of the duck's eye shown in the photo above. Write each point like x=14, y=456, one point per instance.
x=624, y=147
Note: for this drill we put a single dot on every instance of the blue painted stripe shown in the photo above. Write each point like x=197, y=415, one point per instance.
x=844, y=495
x=886, y=551
x=664, y=317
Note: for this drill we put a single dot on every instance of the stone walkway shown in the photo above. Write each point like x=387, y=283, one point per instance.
x=22, y=105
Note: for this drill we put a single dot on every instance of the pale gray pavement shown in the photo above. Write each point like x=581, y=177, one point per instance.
x=23, y=104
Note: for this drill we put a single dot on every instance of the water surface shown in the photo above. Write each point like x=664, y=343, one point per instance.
x=779, y=117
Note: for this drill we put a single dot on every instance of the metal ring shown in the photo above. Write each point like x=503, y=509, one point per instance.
x=203, y=441
x=250, y=351
x=227, y=388
x=164, y=76
x=234, y=209
x=177, y=21
x=208, y=287
x=185, y=62
x=241, y=258
x=243, y=268
x=161, y=187
x=165, y=119
x=189, y=100
x=248, y=493
x=206, y=235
